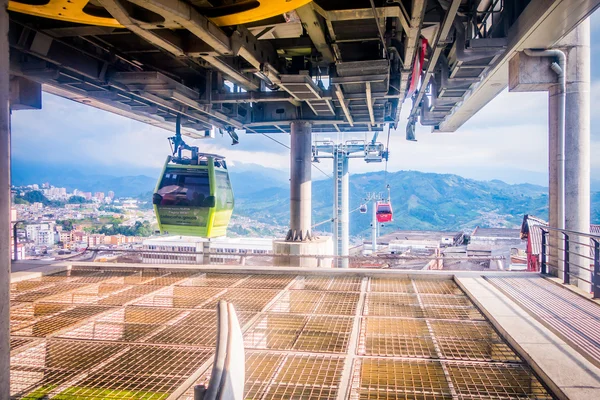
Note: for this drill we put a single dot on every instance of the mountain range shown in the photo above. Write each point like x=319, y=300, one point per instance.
x=420, y=200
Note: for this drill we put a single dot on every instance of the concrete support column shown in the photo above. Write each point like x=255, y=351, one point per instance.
x=300, y=181
x=554, y=214
x=577, y=146
x=4, y=206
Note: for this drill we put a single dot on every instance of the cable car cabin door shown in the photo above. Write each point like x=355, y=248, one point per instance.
x=384, y=212
x=193, y=200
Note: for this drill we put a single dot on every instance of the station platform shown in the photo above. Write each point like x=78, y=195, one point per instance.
x=309, y=333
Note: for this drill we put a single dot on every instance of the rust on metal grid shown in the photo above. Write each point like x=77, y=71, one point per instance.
x=339, y=284
x=266, y=282
x=275, y=331
x=214, y=280
x=141, y=315
x=346, y=284
x=47, y=291
x=245, y=299
x=138, y=371
x=474, y=330
x=393, y=305
x=317, y=334
x=476, y=350
x=25, y=314
x=297, y=302
x=381, y=378
x=469, y=313
x=479, y=380
x=325, y=334
x=171, y=278
x=304, y=377
x=109, y=331
x=260, y=370
x=27, y=286
x=311, y=283
x=437, y=286
x=41, y=369
x=395, y=337
x=445, y=300
x=391, y=285
x=180, y=297
x=60, y=321
x=338, y=303
x=17, y=342
x=128, y=295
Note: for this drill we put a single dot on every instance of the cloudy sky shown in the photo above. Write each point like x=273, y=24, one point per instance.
x=507, y=140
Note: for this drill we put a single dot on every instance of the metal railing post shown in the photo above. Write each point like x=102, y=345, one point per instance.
x=544, y=250
x=567, y=266
x=596, y=272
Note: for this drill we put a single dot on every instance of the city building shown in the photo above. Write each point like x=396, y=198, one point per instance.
x=192, y=249
x=33, y=230
x=401, y=241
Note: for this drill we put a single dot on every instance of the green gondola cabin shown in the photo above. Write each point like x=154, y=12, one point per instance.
x=193, y=197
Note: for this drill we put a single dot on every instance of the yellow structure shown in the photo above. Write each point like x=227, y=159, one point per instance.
x=82, y=12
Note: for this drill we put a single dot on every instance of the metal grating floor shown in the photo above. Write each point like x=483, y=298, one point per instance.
x=93, y=333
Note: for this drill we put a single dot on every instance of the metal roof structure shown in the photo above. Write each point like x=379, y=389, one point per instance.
x=149, y=333
x=259, y=65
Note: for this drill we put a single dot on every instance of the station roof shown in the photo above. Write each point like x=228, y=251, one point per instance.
x=344, y=66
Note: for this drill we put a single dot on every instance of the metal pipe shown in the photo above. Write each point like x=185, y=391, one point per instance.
x=4, y=206
x=559, y=67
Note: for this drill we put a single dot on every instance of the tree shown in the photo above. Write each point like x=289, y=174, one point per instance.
x=77, y=200
x=66, y=224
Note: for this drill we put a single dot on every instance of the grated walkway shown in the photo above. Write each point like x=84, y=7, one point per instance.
x=573, y=318
x=148, y=333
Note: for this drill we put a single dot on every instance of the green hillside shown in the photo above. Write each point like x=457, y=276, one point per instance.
x=420, y=201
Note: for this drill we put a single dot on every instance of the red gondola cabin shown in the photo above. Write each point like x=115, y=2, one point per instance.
x=384, y=212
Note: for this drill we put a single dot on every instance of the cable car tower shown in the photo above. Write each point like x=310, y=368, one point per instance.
x=341, y=153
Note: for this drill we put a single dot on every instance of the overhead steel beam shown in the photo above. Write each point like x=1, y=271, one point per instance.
x=242, y=43
x=340, y=96
x=438, y=46
x=315, y=31
x=116, y=9
x=395, y=11
x=370, y=103
x=540, y=25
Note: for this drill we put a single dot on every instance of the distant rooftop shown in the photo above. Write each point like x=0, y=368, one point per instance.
x=496, y=233
x=418, y=235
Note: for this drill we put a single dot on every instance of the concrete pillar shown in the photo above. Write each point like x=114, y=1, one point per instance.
x=576, y=45
x=4, y=206
x=554, y=214
x=300, y=181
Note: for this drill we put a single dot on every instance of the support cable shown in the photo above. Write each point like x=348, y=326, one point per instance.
x=289, y=148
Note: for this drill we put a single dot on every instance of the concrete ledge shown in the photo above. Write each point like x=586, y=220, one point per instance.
x=566, y=372
x=37, y=272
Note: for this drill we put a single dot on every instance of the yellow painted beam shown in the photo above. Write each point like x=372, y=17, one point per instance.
x=73, y=11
